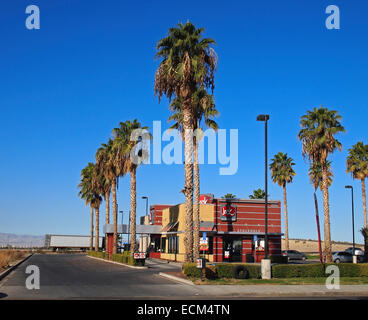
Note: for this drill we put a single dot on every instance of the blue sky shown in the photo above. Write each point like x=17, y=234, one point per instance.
x=91, y=65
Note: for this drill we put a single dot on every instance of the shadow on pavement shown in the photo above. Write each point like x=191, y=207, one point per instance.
x=3, y=295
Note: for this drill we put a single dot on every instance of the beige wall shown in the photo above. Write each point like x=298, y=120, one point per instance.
x=177, y=213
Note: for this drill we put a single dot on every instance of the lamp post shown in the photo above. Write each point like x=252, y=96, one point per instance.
x=352, y=214
x=144, y=197
x=121, y=211
x=265, y=118
x=129, y=230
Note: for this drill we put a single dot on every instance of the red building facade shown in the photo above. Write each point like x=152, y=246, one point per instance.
x=236, y=232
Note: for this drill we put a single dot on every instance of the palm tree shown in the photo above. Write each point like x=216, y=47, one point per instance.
x=86, y=194
x=315, y=175
x=124, y=146
x=319, y=128
x=110, y=164
x=364, y=232
x=91, y=190
x=282, y=173
x=188, y=62
x=258, y=194
x=203, y=106
x=229, y=196
x=357, y=165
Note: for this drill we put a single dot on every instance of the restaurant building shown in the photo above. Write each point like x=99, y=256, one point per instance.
x=231, y=230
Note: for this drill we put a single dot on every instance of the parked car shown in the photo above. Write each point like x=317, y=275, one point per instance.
x=294, y=255
x=358, y=251
x=342, y=256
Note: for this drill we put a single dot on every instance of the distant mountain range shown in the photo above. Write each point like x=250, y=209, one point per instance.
x=24, y=241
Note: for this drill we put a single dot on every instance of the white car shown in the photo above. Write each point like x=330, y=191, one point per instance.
x=358, y=251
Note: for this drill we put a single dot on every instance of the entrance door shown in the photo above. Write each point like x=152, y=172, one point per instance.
x=232, y=249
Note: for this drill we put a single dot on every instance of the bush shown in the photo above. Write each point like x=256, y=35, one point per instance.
x=351, y=270
x=316, y=270
x=279, y=259
x=297, y=270
x=190, y=270
x=125, y=257
x=226, y=270
x=97, y=254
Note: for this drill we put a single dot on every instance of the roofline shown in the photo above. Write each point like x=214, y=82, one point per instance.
x=70, y=235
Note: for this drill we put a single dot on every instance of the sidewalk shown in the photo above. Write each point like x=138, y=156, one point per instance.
x=272, y=290
x=276, y=291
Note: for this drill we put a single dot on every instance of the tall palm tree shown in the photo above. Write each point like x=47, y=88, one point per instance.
x=203, y=105
x=258, y=194
x=357, y=165
x=317, y=135
x=91, y=186
x=282, y=172
x=188, y=62
x=110, y=164
x=315, y=175
x=364, y=232
x=124, y=146
x=85, y=193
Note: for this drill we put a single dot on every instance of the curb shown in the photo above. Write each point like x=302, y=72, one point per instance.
x=119, y=263
x=6, y=272
x=171, y=277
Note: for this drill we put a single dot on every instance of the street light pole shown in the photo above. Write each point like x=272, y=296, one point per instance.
x=129, y=229
x=144, y=197
x=352, y=215
x=121, y=211
x=265, y=118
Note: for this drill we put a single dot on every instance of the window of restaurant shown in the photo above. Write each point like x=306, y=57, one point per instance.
x=163, y=244
x=173, y=244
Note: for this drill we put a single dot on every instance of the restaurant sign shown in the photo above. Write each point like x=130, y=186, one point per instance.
x=206, y=198
x=228, y=212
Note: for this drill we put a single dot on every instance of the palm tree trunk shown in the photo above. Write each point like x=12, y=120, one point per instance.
x=115, y=216
x=133, y=205
x=326, y=207
x=97, y=227
x=107, y=214
x=196, y=210
x=91, y=239
x=286, y=220
x=364, y=203
x=188, y=188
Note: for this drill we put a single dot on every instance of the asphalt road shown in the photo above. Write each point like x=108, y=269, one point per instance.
x=76, y=276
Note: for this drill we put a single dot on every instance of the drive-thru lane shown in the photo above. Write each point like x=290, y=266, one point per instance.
x=75, y=276
x=69, y=276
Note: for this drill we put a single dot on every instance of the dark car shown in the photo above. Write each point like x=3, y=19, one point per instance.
x=294, y=255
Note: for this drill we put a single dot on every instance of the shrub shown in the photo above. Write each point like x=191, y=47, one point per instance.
x=190, y=270
x=278, y=259
x=316, y=270
x=297, y=270
x=351, y=270
x=97, y=254
x=125, y=257
x=226, y=270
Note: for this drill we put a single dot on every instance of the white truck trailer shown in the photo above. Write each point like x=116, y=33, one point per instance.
x=76, y=242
